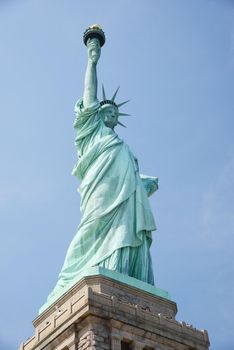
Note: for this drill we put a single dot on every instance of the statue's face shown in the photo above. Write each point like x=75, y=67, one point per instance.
x=110, y=116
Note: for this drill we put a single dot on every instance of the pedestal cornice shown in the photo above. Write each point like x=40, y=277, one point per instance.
x=124, y=311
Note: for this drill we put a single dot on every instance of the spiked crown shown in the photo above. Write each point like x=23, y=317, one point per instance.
x=112, y=102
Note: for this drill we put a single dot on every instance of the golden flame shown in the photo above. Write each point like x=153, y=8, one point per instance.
x=95, y=26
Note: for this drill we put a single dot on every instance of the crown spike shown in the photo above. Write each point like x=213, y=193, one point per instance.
x=124, y=114
x=114, y=96
x=122, y=103
x=103, y=93
x=121, y=124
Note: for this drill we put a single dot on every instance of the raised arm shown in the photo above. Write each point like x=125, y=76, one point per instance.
x=90, y=84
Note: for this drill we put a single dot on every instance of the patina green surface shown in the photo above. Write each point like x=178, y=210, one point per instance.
x=116, y=225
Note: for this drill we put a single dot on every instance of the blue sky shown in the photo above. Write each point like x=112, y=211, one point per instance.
x=175, y=60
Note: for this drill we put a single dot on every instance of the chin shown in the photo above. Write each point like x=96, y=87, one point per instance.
x=109, y=125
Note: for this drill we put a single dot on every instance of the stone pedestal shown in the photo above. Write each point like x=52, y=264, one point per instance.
x=100, y=312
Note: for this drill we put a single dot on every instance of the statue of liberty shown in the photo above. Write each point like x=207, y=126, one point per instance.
x=116, y=224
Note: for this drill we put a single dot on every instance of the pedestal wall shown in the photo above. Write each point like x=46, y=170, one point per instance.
x=101, y=313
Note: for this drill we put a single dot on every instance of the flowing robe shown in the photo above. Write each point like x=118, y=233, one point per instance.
x=115, y=229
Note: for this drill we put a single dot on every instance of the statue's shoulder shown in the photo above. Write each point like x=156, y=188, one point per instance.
x=83, y=113
x=91, y=108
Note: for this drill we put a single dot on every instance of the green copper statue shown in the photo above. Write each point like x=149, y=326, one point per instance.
x=115, y=229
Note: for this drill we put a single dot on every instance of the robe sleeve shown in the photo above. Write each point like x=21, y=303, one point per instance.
x=83, y=114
